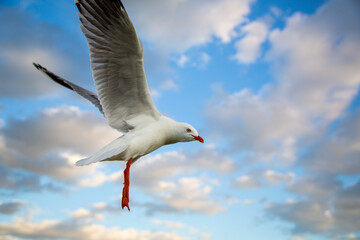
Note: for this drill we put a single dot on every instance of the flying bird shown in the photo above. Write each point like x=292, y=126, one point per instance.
x=123, y=96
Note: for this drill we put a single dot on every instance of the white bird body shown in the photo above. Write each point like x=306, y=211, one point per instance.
x=139, y=142
x=116, y=56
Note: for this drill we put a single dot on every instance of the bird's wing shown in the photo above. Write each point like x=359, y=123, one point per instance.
x=92, y=97
x=116, y=56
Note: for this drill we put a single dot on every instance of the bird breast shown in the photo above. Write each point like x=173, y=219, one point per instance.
x=147, y=139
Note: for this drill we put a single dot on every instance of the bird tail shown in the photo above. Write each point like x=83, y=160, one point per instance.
x=108, y=152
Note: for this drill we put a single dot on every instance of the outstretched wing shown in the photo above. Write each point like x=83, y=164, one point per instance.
x=116, y=56
x=92, y=97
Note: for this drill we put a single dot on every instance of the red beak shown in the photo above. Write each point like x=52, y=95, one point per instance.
x=200, y=139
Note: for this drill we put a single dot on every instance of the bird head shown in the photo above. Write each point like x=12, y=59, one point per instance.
x=188, y=133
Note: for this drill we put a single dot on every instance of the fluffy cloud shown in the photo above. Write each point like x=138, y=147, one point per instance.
x=248, y=47
x=339, y=152
x=188, y=194
x=317, y=67
x=71, y=229
x=257, y=178
x=62, y=128
x=309, y=216
x=61, y=133
x=160, y=176
x=290, y=121
x=82, y=213
x=153, y=168
x=188, y=23
x=329, y=209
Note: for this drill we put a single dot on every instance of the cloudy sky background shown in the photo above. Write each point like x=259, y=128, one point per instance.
x=272, y=86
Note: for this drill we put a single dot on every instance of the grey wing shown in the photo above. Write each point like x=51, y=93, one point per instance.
x=116, y=56
x=92, y=97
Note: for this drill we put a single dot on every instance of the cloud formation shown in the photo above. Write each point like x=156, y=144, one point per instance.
x=12, y=207
x=188, y=23
x=50, y=142
x=72, y=229
x=27, y=40
x=316, y=82
x=249, y=46
x=162, y=177
x=290, y=122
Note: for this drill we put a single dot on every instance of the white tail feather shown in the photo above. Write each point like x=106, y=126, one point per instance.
x=112, y=149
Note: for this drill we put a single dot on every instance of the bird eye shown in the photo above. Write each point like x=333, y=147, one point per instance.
x=188, y=130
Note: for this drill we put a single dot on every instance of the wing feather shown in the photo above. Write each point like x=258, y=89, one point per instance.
x=92, y=97
x=116, y=56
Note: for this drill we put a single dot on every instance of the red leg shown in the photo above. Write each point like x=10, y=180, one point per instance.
x=125, y=194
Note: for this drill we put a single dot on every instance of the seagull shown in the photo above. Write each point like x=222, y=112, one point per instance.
x=123, y=96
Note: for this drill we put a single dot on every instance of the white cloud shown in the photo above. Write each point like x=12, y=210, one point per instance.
x=68, y=229
x=351, y=236
x=298, y=238
x=168, y=224
x=8, y=238
x=83, y=213
x=324, y=207
x=194, y=59
x=248, y=201
x=308, y=216
x=203, y=60
x=317, y=67
x=99, y=206
x=339, y=152
x=182, y=60
x=274, y=178
x=181, y=195
x=247, y=182
x=187, y=23
x=61, y=133
x=188, y=194
x=61, y=128
x=249, y=47
x=153, y=168
x=205, y=236
x=164, y=86
x=168, y=84
x=155, y=93
x=276, y=11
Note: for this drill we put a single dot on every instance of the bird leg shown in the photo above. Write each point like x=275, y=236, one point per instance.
x=125, y=194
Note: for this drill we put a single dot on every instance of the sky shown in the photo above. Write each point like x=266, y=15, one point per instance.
x=272, y=87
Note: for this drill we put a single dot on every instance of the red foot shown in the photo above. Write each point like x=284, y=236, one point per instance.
x=125, y=194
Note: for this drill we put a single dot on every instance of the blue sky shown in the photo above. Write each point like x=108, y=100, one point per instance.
x=272, y=87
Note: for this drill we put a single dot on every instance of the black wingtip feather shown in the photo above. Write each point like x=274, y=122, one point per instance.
x=54, y=77
x=38, y=66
